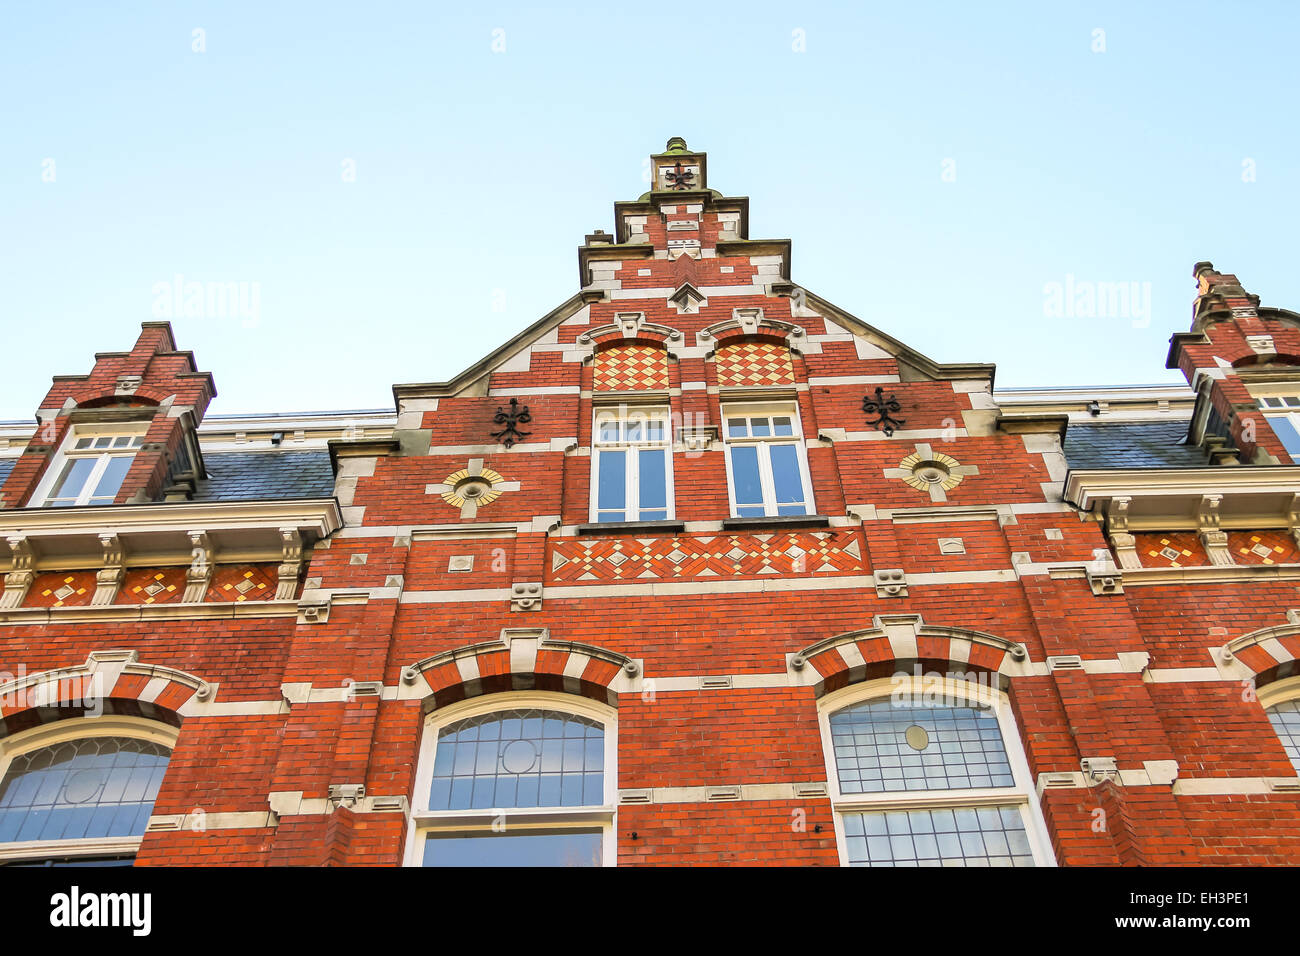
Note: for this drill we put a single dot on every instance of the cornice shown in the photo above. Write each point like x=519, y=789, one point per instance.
x=1247, y=496
x=68, y=538
x=148, y=612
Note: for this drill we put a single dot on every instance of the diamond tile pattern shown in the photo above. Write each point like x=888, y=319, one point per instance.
x=754, y=363
x=243, y=582
x=1262, y=547
x=1170, y=549
x=61, y=589
x=631, y=368
x=704, y=556
x=152, y=586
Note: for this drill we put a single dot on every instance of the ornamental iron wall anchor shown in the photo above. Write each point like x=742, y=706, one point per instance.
x=679, y=178
x=512, y=419
x=882, y=407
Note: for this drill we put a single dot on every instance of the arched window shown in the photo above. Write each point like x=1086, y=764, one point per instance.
x=929, y=773
x=1286, y=721
x=516, y=780
x=81, y=790
x=1281, y=701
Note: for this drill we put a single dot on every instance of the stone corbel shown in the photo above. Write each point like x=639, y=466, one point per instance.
x=19, y=580
x=698, y=438
x=891, y=582
x=108, y=579
x=1214, y=540
x=1103, y=576
x=1121, y=541
x=526, y=597
x=346, y=794
x=1099, y=769
x=199, y=573
x=290, y=564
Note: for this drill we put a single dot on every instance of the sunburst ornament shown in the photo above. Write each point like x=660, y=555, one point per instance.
x=471, y=488
x=465, y=486
x=931, y=471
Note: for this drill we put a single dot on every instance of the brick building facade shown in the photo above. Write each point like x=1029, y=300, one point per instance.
x=698, y=568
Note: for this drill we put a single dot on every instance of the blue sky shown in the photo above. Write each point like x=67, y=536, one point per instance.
x=938, y=166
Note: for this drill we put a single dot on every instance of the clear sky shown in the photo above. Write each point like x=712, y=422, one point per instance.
x=403, y=185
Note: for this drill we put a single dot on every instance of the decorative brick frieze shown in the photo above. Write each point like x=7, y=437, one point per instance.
x=703, y=557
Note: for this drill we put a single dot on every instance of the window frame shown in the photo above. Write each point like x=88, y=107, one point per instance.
x=422, y=821
x=66, y=731
x=632, y=476
x=1022, y=795
x=67, y=453
x=771, y=508
x=1288, y=413
x=1284, y=691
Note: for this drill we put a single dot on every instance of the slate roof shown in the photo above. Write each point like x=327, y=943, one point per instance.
x=6, y=466
x=1131, y=445
x=251, y=475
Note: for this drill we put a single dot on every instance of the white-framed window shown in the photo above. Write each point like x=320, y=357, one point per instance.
x=767, y=465
x=516, y=779
x=90, y=466
x=1281, y=702
x=929, y=772
x=80, y=791
x=1283, y=414
x=632, y=465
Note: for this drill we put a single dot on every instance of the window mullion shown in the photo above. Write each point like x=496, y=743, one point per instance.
x=633, y=483
x=765, y=477
x=92, y=480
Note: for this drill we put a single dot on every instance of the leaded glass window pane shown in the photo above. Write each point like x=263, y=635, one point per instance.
x=519, y=758
x=961, y=836
x=93, y=787
x=1286, y=721
x=877, y=749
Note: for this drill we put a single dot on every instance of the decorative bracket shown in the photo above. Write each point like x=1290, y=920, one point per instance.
x=199, y=573
x=19, y=580
x=108, y=579
x=290, y=564
x=1214, y=540
x=1124, y=543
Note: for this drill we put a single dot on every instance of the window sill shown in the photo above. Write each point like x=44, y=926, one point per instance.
x=621, y=527
x=776, y=521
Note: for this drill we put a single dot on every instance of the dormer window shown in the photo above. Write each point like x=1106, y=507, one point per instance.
x=90, y=467
x=1283, y=414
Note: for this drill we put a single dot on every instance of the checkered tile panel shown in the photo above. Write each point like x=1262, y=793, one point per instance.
x=754, y=363
x=683, y=556
x=631, y=368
